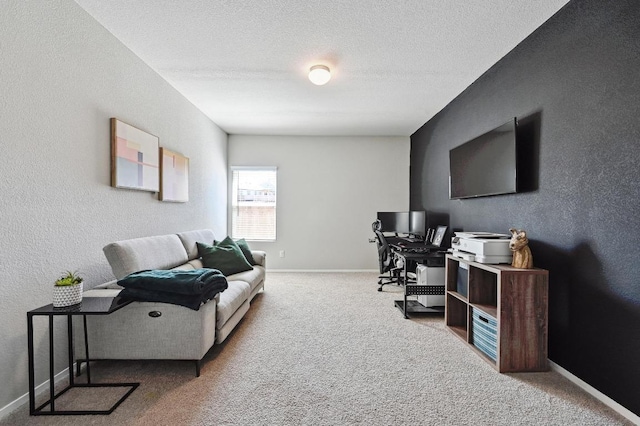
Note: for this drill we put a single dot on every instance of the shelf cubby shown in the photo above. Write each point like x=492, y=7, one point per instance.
x=483, y=287
x=456, y=314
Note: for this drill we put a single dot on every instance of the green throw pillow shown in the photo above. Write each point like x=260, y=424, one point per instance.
x=242, y=243
x=227, y=258
x=227, y=242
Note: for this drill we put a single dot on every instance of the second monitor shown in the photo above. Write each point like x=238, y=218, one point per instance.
x=412, y=222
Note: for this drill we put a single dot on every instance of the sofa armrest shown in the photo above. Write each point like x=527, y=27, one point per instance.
x=260, y=257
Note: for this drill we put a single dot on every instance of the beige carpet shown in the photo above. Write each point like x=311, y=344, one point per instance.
x=328, y=349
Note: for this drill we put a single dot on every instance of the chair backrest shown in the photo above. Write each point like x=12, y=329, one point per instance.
x=384, y=251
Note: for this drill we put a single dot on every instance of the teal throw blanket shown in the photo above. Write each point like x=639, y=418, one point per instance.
x=193, y=281
x=189, y=288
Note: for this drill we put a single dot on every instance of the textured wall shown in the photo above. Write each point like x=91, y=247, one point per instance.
x=329, y=190
x=574, y=86
x=62, y=76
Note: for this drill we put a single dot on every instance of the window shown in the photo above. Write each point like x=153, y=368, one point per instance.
x=253, y=203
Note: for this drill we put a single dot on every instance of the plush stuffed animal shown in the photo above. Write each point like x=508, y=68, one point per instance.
x=519, y=245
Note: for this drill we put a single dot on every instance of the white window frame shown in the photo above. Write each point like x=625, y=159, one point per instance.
x=233, y=195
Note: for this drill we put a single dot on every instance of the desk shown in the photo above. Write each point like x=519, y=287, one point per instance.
x=89, y=306
x=413, y=306
x=401, y=245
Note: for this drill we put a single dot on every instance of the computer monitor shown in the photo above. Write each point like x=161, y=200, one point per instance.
x=397, y=222
x=418, y=223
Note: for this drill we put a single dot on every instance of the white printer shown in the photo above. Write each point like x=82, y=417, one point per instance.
x=482, y=247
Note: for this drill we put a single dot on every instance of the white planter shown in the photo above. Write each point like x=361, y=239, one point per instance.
x=67, y=295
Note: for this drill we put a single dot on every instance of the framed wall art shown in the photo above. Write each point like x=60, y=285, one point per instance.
x=174, y=177
x=135, y=160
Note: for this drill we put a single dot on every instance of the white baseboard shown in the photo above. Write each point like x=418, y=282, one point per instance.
x=24, y=399
x=596, y=393
x=324, y=270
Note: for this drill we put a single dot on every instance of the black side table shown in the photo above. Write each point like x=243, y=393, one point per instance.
x=89, y=306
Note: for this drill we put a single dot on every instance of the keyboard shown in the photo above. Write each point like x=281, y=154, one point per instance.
x=412, y=240
x=415, y=249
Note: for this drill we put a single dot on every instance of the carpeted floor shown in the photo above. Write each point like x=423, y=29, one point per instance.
x=328, y=349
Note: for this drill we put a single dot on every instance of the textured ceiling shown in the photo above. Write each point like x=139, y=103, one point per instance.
x=395, y=64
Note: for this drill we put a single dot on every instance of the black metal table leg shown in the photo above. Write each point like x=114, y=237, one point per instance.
x=51, y=380
x=86, y=347
x=32, y=397
x=405, y=305
x=70, y=347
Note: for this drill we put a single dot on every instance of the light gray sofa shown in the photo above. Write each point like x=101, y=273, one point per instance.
x=152, y=330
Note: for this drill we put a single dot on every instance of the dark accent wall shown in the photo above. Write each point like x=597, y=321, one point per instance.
x=574, y=85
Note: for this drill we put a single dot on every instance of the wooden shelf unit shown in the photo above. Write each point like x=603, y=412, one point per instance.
x=510, y=328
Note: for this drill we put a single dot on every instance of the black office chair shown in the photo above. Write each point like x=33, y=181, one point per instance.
x=391, y=273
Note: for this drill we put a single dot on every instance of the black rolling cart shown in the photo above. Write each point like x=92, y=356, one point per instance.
x=413, y=288
x=89, y=306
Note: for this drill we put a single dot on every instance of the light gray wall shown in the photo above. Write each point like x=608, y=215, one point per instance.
x=62, y=76
x=329, y=190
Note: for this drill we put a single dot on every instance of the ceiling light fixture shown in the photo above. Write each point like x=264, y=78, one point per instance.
x=319, y=74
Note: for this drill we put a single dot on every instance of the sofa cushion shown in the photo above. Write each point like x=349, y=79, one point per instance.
x=223, y=332
x=190, y=238
x=254, y=277
x=225, y=256
x=184, y=267
x=158, y=252
x=196, y=263
x=230, y=300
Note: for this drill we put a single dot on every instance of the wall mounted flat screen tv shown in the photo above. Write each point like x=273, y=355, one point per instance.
x=486, y=165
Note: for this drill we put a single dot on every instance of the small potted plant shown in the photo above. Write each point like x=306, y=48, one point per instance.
x=67, y=290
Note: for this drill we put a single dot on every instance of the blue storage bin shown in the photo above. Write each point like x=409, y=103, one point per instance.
x=484, y=333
